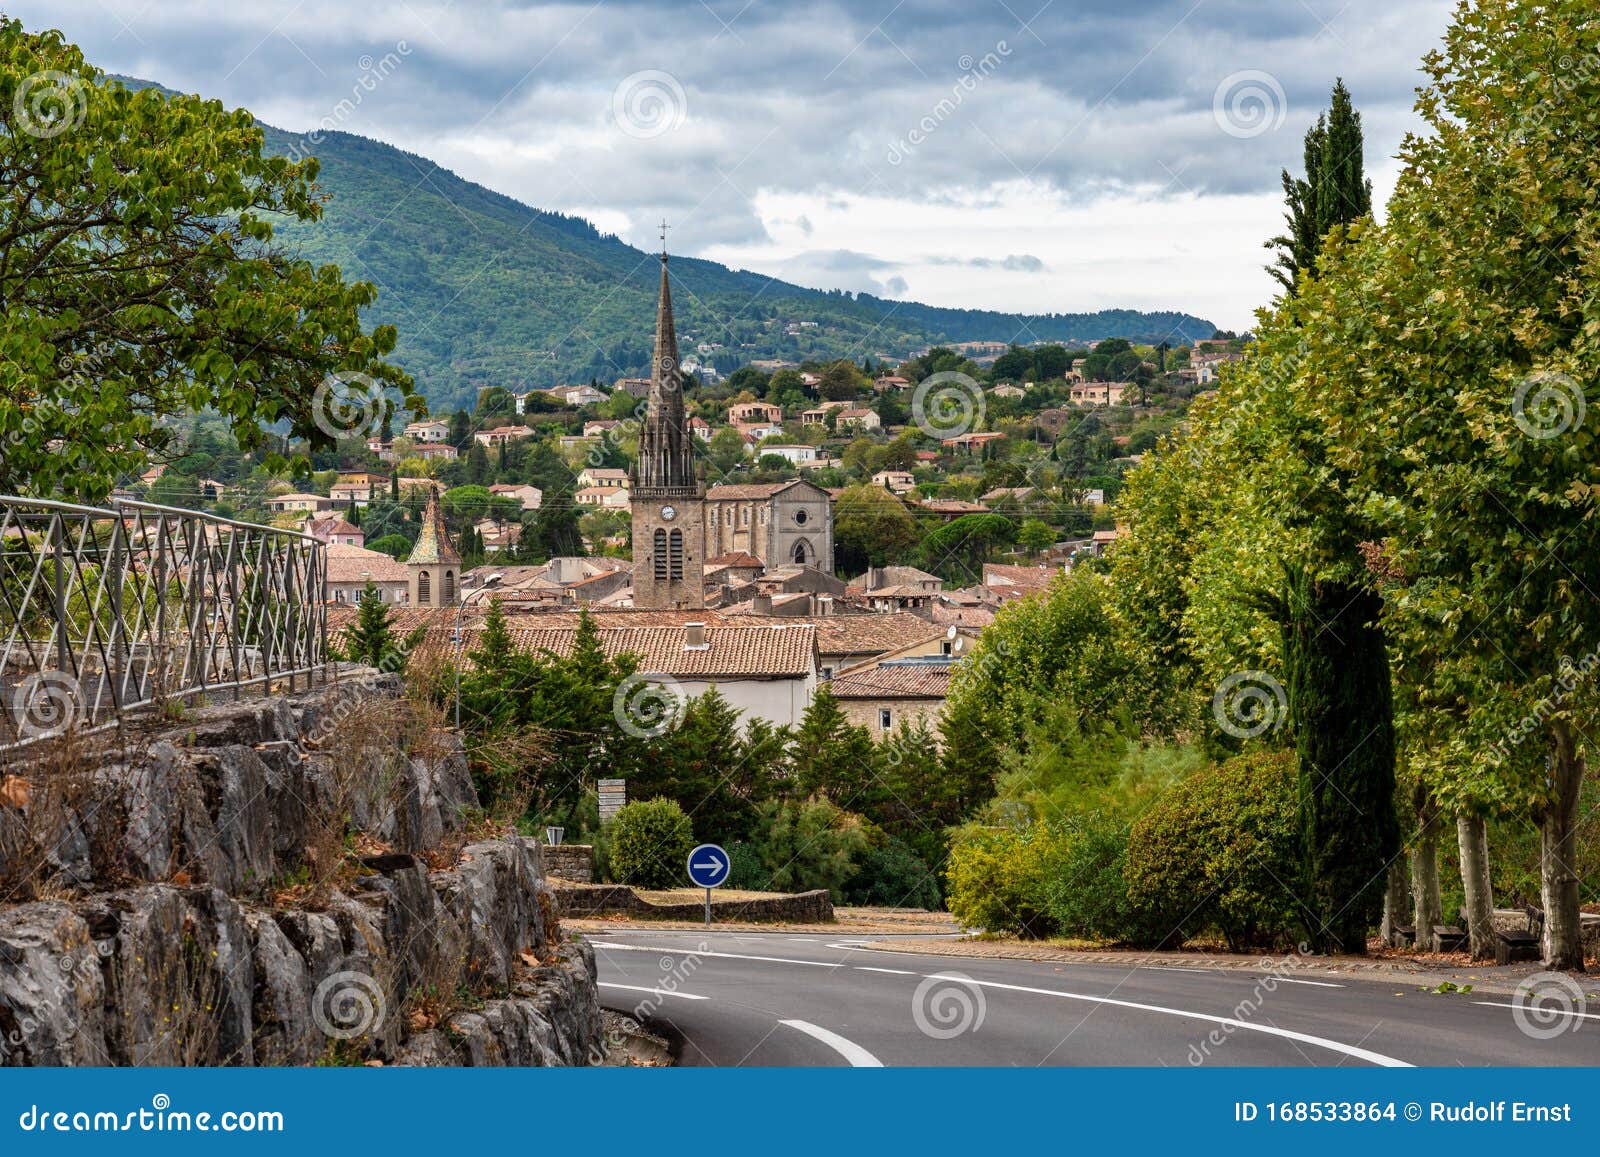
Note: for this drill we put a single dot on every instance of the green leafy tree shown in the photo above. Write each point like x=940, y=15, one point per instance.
x=650, y=844
x=141, y=284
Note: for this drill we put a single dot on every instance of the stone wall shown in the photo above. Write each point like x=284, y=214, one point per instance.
x=570, y=862
x=194, y=906
x=815, y=907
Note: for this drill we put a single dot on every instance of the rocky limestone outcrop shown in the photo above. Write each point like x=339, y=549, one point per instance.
x=176, y=945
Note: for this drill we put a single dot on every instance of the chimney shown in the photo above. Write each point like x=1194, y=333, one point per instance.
x=762, y=604
x=824, y=604
x=694, y=637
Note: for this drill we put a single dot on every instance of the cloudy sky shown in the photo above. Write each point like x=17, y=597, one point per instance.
x=1028, y=155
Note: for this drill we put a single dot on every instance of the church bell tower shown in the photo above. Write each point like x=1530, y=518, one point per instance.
x=667, y=495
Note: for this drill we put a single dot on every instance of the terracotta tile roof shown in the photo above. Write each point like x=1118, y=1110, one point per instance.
x=953, y=506
x=737, y=559
x=346, y=562
x=893, y=681
x=1031, y=577
x=751, y=652
x=872, y=634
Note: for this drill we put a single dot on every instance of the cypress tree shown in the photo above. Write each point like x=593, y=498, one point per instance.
x=1333, y=192
x=1342, y=714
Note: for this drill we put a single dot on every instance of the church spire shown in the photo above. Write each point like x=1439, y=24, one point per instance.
x=666, y=457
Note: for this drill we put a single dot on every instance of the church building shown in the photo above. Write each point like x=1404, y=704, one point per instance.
x=678, y=524
x=667, y=495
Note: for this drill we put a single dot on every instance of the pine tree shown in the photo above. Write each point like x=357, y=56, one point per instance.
x=1333, y=192
x=370, y=640
x=353, y=515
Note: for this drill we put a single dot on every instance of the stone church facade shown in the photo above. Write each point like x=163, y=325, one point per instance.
x=781, y=523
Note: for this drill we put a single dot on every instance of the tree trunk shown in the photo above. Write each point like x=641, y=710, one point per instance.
x=1558, y=850
x=1473, y=836
x=1427, y=908
x=1394, y=904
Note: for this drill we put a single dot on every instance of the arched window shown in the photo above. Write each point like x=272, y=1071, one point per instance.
x=658, y=553
x=675, y=555
x=424, y=589
x=802, y=552
x=449, y=587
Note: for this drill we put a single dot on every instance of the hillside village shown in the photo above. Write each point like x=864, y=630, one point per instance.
x=928, y=521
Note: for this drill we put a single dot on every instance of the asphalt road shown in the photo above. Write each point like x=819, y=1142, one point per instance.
x=740, y=998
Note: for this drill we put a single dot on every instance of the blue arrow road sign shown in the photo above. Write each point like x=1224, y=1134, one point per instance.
x=708, y=866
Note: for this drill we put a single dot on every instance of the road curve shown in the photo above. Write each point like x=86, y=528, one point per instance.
x=770, y=998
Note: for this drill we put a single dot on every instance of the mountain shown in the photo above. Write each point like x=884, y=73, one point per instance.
x=485, y=290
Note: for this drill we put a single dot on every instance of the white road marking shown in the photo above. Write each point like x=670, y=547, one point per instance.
x=1297, y=980
x=1387, y=1062
x=858, y=1057
x=721, y=955
x=1540, y=1009
x=890, y=971
x=652, y=991
x=803, y=939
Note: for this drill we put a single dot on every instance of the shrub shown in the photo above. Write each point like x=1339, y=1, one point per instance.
x=650, y=843
x=893, y=876
x=1089, y=898
x=1221, y=850
x=800, y=845
x=1000, y=880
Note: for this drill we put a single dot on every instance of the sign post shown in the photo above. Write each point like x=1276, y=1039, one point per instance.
x=708, y=869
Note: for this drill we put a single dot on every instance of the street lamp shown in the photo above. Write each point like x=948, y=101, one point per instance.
x=458, y=639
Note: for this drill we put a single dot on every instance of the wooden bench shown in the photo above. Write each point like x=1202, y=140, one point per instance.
x=1451, y=937
x=1510, y=947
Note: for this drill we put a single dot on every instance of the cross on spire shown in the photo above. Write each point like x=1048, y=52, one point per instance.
x=664, y=228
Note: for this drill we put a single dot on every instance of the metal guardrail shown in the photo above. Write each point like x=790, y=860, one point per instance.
x=107, y=612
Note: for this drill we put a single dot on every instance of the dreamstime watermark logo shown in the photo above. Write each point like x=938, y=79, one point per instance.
x=1249, y=703
x=1548, y=1004
x=649, y=103
x=46, y=703
x=350, y=402
x=1547, y=405
x=347, y=1005
x=646, y=705
x=947, y=404
x=1248, y=103
x=1569, y=676
x=50, y=103
x=973, y=73
x=947, y=1004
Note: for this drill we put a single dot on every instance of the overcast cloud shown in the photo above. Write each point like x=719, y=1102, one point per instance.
x=961, y=152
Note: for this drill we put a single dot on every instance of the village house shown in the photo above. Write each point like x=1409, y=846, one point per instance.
x=581, y=395
x=501, y=436
x=296, y=503
x=603, y=476
x=1007, y=390
x=973, y=441
x=427, y=451
x=701, y=428
x=333, y=529
x=858, y=418
x=350, y=568
x=818, y=415
x=952, y=508
x=428, y=430
x=530, y=496
x=599, y=427
x=605, y=497
x=894, y=481
x=1100, y=393
x=890, y=382
x=795, y=453
x=752, y=412
x=890, y=692
x=638, y=387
